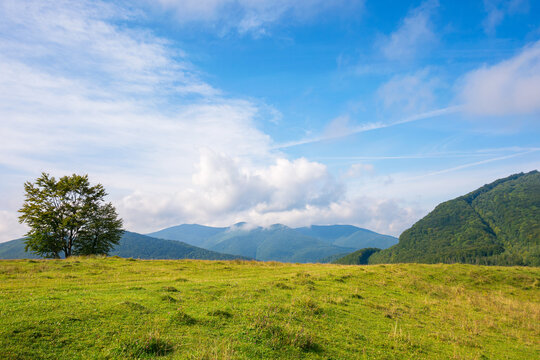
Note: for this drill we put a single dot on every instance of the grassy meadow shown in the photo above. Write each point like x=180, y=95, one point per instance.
x=114, y=308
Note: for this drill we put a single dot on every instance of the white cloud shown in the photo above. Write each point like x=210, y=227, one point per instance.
x=253, y=16
x=409, y=94
x=80, y=37
x=497, y=10
x=414, y=34
x=381, y=215
x=223, y=188
x=511, y=87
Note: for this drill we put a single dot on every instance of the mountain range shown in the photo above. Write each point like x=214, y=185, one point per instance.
x=278, y=242
x=241, y=241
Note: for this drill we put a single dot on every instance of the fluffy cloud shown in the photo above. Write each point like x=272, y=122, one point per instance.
x=382, y=215
x=414, y=33
x=511, y=87
x=223, y=189
x=252, y=15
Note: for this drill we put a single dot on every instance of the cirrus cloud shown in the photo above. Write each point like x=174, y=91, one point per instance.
x=414, y=33
x=253, y=16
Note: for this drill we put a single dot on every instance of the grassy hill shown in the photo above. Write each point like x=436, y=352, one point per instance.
x=114, y=308
x=132, y=245
x=315, y=243
x=497, y=224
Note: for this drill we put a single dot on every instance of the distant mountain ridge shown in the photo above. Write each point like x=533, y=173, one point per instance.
x=497, y=224
x=278, y=242
x=133, y=245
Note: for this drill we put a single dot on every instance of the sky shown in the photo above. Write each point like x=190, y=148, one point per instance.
x=268, y=111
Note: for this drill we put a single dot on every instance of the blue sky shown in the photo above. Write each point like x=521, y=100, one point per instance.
x=307, y=112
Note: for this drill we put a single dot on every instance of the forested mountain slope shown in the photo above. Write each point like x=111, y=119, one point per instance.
x=497, y=224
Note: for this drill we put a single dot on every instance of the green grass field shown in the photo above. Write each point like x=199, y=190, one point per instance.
x=112, y=308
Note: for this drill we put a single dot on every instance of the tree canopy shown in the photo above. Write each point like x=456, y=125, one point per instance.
x=68, y=216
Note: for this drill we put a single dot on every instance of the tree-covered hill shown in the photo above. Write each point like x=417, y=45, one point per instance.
x=497, y=224
x=133, y=245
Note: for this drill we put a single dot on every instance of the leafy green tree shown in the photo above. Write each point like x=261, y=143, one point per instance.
x=68, y=216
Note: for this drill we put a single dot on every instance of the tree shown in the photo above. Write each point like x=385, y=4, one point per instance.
x=68, y=216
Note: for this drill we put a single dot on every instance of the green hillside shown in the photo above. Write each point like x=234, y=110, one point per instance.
x=497, y=224
x=359, y=257
x=14, y=249
x=113, y=308
x=132, y=245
